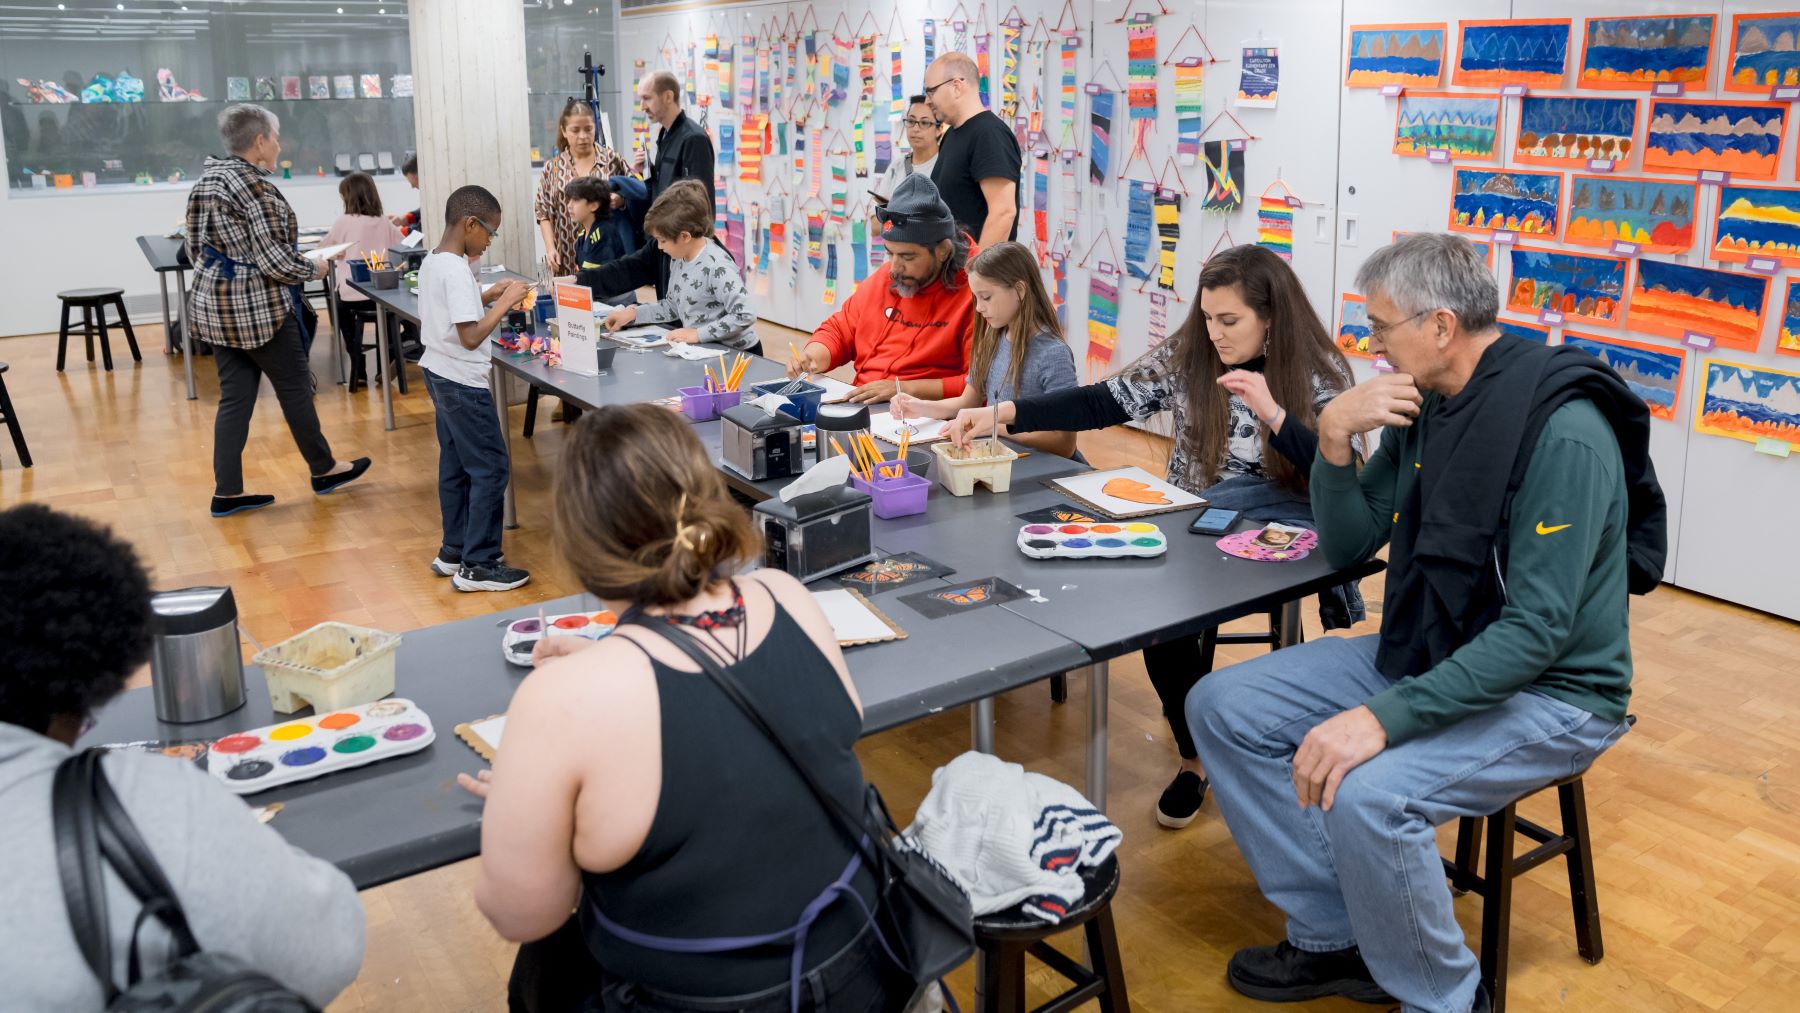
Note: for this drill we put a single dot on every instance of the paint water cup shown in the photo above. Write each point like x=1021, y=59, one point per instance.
x=895, y=497
x=803, y=400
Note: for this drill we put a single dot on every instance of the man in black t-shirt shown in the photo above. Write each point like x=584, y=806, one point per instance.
x=977, y=171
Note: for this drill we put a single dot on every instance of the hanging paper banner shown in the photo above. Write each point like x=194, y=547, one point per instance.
x=1139, y=215
x=831, y=265
x=692, y=83
x=840, y=82
x=810, y=68
x=724, y=79
x=719, y=203
x=1224, y=175
x=1275, y=224
x=983, y=70
x=1071, y=202
x=896, y=82
x=734, y=236
x=727, y=142
x=930, y=41
x=750, y=162
x=1065, y=137
x=817, y=146
x=859, y=250
x=1040, y=203
x=1168, y=235
x=840, y=185
x=747, y=74
x=777, y=239
x=759, y=238
x=1009, y=70
x=1140, y=71
x=1159, y=318
x=865, y=68
x=1190, y=108
x=800, y=153
x=1260, y=80
x=884, y=146
x=857, y=131
x=762, y=78
x=781, y=141
x=1059, y=289
x=959, y=32
x=1103, y=314
x=1100, y=114
x=815, y=241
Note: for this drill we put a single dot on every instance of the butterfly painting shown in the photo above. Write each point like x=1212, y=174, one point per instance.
x=964, y=597
x=891, y=572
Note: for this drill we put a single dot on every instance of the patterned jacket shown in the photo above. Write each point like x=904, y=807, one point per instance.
x=240, y=296
x=707, y=294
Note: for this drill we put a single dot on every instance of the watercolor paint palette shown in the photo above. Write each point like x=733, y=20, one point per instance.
x=1092, y=541
x=305, y=748
x=523, y=634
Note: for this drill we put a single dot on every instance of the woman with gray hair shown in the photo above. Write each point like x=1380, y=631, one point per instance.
x=246, y=303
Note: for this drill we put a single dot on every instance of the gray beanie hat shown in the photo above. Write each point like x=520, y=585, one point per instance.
x=916, y=214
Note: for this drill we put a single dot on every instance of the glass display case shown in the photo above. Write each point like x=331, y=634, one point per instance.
x=556, y=36
x=103, y=95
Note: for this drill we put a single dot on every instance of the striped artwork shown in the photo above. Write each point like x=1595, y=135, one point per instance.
x=896, y=82
x=1138, y=215
x=831, y=266
x=1190, y=109
x=1275, y=226
x=1009, y=70
x=1040, y=202
x=815, y=240
x=1066, y=92
x=859, y=251
x=756, y=126
x=1103, y=315
x=1100, y=115
x=1168, y=236
x=983, y=68
x=930, y=41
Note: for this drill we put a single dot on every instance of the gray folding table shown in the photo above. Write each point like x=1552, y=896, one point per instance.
x=165, y=257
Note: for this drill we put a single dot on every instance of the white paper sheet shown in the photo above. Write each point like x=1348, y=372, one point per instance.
x=695, y=353
x=412, y=239
x=850, y=619
x=835, y=390
x=639, y=337
x=326, y=252
x=883, y=426
x=1091, y=487
x=489, y=730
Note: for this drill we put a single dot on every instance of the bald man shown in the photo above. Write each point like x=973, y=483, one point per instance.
x=977, y=171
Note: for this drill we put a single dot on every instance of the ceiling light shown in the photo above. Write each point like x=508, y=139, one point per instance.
x=340, y=10
x=119, y=6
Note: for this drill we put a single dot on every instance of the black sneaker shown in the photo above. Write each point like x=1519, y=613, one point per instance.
x=1484, y=1003
x=323, y=484
x=1180, y=801
x=1286, y=973
x=225, y=506
x=489, y=577
x=445, y=564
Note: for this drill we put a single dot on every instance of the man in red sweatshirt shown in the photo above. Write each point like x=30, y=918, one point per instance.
x=913, y=318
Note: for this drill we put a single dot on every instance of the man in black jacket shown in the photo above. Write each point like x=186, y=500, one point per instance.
x=683, y=151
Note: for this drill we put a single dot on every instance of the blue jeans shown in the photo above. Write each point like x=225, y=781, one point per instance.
x=1368, y=873
x=473, y=468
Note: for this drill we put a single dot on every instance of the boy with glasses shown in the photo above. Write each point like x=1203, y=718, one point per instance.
x=472, y=461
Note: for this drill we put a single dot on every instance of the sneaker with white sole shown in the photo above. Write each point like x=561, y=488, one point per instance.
x=446, y=565
x=489, y=577
x=1181, y=800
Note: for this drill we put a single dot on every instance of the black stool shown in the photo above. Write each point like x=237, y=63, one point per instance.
x=1501, y=866
x=93, y=303
x=1006, y=937
x=11, y=418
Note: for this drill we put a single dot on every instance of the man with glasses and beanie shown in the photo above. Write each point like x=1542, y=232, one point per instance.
x=977, y=169
x=908, y=326
x=1514, y=490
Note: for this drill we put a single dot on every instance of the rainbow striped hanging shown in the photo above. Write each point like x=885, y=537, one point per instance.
x=1040, y=203
x=1275, y=225
x=858, y=132
x=983, y=69
x=1103, y=315
x=1190, y=109
x=1168, y=236
x=896, y=82
x=831, y=264
x=815, y=240
x=1065, y=137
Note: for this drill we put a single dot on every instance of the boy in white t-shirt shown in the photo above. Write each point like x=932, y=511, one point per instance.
x=473, y=466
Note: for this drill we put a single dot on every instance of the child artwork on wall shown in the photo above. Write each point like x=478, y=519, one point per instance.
x=1578, y=286
x=1139, y=222
x=1639, y=53
x=1484, y=200
x=1103, y=315
x=343, y=86
x=237, y=89
x=290, y=88
x=1697, y=135
x=1259, y=79
x=1675, y=301
x=1353, y=326
x=1409, y=55
x=1653, y=372
x=1275, y=221
x=1749, y=403
x=265, y=89
x=1529, y=52
x=1760, y=223
x=1100, y=114
x=371, y=86
x=1655, y=214
x=1572, y=130
x=1534, y=333
x=1764, y=54
x=1464, y=125
x=318, y=86
x=1787, y=339
x=1224, y=175
x=1190, y=108
x=1140, y=82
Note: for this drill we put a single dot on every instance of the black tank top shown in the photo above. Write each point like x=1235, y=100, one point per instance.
x=739, y=845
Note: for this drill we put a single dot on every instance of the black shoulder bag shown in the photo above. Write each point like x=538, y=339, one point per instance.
x=924, y=915
x=91, y=825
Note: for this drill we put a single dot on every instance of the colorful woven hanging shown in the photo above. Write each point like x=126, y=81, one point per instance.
x=719, y=199
x=983, y=70
x=865, y=69
x=734, y=236
x=815, y=240
x=1009, y=70
x=1103, y=315
x=1066, y=126
x=750, y=160
x=746, y=93
x=930, y=41
x=1040, y=203
x=724, y=79
x=884, y=146
x=1224, y=175
x=896, y=82
x=1168, y=235
x=859, y=250
x=1140, y=87
x=1100, y=114
x=1275, y=221
x=840, y=185
x=762, y=78
x=691, y=83
x=1159, y=318
x=831, y=263
x=727, y=141
x=1190, y=108
x=817, y=154
x=1139, y=222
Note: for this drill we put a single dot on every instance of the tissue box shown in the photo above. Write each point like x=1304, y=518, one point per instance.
x=817, y=534
x=758, y=445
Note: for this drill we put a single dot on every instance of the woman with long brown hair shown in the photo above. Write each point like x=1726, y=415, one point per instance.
x=577, y=155
x=633, y=791
x=1244, y=379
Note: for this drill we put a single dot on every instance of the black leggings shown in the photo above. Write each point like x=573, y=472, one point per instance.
x=1175, y=668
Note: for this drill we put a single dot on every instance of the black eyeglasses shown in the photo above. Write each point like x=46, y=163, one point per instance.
x=934, y=87
x=1376, y=332
x=922, y=124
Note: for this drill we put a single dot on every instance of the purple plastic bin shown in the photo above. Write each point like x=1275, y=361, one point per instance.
x=726, y=399
x=698, y=403
x=895, y=497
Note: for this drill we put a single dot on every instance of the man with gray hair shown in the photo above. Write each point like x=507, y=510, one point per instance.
x=246, y=303
x=1514, y=489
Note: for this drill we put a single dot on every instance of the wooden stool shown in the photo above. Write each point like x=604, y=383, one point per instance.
x=11, y=418
x=1006, y=937
x=1501, y=866
x=93, y=303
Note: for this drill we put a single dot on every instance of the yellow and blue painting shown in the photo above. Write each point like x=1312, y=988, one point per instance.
x=1573, y=129
x=1489, y=200
x=1757, y=221
x=1749, y=403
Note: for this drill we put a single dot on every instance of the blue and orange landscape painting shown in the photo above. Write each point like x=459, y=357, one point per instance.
x=1579, y=286
x=1534, y=333
x=1408, y=55
x=1765, y=52
x=1653, y=372
x=1571, y=129
x=1638, y=53
x=1464, y=125
x=1749, y=403
x=1692, y=135
x=1757, y=221
x=1531, y=52
x=1486, y=200
x=1670, y=300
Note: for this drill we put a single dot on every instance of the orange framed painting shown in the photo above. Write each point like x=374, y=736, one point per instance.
x=1580, y=286
x=1485, y=201
x=1465, y=126
x=1639, y=52
x=1750, y=403
x=1410, y=55
x=1757, y=223
x=1573, y=130
x=1692, y=135
x=1764, y=55
x=1653, y=372
x=1671, y=300
x=1656, y=214
x=1533, y=52
x=1787, y=338
x=1353, y=326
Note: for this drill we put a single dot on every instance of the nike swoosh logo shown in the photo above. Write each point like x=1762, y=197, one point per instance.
x=1551, y=531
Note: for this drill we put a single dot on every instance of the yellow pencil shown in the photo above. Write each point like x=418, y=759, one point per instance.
x=709, y=378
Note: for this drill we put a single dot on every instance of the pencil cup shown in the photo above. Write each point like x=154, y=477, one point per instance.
x=803, y=399
x=389, y=278
x=359, y=272
x=895, y=497
x=697, y=404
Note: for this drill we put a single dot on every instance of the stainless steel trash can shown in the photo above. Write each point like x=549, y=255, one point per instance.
x=196, y=670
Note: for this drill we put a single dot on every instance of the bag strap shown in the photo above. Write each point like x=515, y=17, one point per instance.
x=78, y=864
x=854, y=828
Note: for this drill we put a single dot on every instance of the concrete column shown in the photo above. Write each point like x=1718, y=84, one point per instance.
x=472, y=122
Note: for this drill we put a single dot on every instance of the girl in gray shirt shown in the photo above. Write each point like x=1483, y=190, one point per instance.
x=1010, y=300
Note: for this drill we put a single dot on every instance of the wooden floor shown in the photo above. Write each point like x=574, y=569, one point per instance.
x=1695, y=815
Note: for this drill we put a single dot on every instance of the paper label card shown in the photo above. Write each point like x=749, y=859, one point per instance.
x=1669, y=89
x=1504, y=238
x=1694, y=339
x=1192, y=61
x=1715, y=176
x=1392, y=90
x=1600, y=165
x=1773, y=447
x=1236, y=144
x=1550, y=317
x=1438, y=156
x=1513, y=90
x=1295, y=202
x=1092, y=88
x=576, y=330
x=1762, y=265
x=1624, y=249
x=1786, y=93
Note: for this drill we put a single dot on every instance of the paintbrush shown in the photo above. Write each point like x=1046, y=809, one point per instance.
x=994, y=438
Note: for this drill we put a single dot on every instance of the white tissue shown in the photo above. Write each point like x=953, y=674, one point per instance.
x=770, y=403
x=818, y=478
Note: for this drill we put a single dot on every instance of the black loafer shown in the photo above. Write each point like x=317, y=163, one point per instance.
x=1181, y=800
x=225, y=506
x=323, y=484
x=1286, y=973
